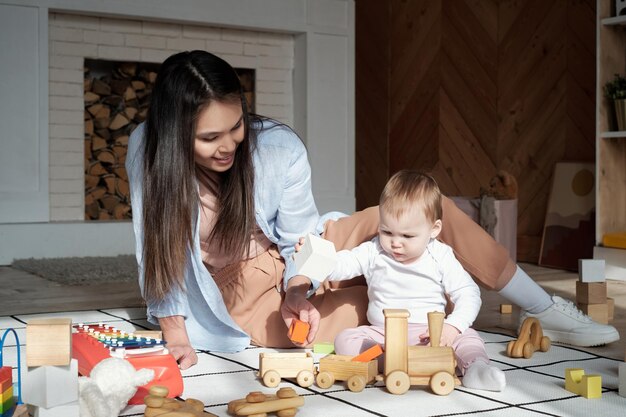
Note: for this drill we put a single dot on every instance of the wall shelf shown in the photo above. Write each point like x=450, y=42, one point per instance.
x=614, y=134
x=610, y=145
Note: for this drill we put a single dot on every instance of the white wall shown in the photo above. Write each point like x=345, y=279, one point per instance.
x=322, y=94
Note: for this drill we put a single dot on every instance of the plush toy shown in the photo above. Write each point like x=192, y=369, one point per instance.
x=503, y=186
x=111, y=384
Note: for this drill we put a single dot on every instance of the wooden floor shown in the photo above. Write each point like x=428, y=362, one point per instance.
x=23, y=293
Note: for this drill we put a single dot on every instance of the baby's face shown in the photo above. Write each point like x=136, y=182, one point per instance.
x=405, y=238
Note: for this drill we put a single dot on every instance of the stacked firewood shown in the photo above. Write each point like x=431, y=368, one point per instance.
x=114, y=105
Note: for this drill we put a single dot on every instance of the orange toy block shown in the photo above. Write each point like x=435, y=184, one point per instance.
x=370, y=354
x=298, y=331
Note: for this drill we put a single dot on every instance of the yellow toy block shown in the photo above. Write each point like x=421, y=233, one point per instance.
x=6, y=395
x=591, y=386
x=588, y=386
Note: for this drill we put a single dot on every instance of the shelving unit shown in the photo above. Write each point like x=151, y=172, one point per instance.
x=610, y=144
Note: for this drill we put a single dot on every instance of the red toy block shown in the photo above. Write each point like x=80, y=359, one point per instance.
x=370, y=354
x=298, y=331
x=6, y=378
x=6, y=373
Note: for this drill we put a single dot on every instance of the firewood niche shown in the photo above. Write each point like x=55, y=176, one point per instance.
x=117, y=96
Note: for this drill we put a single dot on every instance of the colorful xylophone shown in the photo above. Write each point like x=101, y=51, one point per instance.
x=93, y=343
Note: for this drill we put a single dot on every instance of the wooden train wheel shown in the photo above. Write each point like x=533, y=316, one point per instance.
x=398, y=382
x=305, y=378
x=325, y=380
x=356, y=383
x=442, y=383
x=271, y=378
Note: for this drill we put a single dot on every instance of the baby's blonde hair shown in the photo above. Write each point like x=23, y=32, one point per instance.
x=408, y=188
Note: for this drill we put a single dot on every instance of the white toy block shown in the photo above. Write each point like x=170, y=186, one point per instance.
x=316, y=259
x=622, y=379
x=591, y=270
x=65, y=410
x=51, y=386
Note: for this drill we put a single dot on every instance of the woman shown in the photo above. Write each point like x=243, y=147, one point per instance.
x=220, y=197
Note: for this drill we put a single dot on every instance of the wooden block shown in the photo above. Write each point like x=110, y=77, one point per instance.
x=611, y=306
x=316, y=258
x=51, y=386
x=598, y=312
x=6, y=378
x=158, y=405
x=591, y=270
x=591, y=292
x=622, y=379
x=298, y=331
x=49, y=342
x=287, y=364
x=573, y=376
x=591, y=386
x=7, y=405
x=342, y=367
x=6, y=394
x=428, y=360
x=588, y=386
x=324, y=347
x=506, y=309
x=271, y=403
x=370, y=354
x=396, y=339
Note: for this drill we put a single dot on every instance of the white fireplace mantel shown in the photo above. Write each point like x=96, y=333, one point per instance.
x=323, y=107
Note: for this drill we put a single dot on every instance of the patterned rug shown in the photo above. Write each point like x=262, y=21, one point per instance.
x=535, y=386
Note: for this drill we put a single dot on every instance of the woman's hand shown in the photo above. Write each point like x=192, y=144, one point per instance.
x=296, y=306
x=175, y=334
x=448, y=334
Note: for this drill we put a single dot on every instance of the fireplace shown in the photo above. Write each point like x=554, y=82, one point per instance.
x=117, y=60
x=301, y=51
x=117, y=96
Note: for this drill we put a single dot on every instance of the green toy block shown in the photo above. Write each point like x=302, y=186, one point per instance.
x=324, y=347
x=7, y=405
x=5, y=395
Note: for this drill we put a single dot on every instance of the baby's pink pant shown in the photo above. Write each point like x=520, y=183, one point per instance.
x=468, y=346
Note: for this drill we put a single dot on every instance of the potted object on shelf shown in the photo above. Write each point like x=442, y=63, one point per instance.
x=615, y=92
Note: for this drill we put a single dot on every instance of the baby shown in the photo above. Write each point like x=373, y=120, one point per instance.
x=407, y=268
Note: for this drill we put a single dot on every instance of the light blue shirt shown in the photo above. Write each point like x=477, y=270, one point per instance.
x=285, y=211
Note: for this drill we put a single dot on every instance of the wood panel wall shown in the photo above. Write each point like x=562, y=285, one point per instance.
x=463, y=88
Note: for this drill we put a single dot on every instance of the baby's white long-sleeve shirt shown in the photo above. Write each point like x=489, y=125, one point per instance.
x=418, y=287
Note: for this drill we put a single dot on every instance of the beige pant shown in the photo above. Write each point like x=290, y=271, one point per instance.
x=252, y=290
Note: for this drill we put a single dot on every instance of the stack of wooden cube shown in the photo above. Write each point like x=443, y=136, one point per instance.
x=50, y=385
x=591, y=290
x=7, y=400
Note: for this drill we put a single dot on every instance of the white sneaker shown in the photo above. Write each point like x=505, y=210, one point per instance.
x=564, y=322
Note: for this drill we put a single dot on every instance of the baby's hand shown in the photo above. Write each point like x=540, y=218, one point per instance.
x=448, y=334
x=299, y=244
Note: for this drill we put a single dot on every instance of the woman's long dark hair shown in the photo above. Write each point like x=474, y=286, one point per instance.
x=187, y=83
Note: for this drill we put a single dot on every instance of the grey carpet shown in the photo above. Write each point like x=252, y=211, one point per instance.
x=82, y=271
